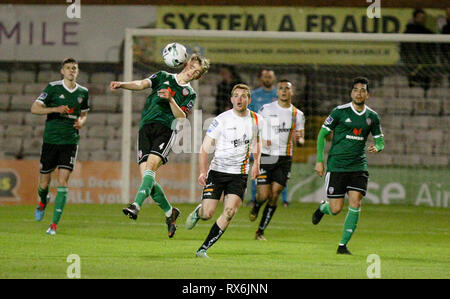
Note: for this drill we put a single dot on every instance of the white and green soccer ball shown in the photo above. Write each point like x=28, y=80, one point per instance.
x=174, y=54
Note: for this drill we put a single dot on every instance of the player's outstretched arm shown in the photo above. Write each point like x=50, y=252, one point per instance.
x=132, y=85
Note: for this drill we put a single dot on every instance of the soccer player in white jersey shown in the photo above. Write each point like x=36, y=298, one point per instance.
x=284, y=125
x=235, y=134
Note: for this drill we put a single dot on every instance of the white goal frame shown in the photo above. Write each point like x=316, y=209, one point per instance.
x=310, y=36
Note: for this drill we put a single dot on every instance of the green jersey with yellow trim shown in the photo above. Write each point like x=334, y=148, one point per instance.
x=59, y=128
x=350, y=129
x=157, y=109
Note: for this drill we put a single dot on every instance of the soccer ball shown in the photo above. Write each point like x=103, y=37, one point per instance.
x=174, y=54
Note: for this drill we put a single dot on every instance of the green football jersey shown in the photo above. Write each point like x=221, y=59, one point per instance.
x=59, y=128
x=157, y=109
x=350, y=131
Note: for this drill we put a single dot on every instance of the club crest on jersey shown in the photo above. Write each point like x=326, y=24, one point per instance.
x=79, y=99
x=330, y=190
x=185, y=91
x=368, y=121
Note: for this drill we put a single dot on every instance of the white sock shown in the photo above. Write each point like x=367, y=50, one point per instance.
x=169, y=212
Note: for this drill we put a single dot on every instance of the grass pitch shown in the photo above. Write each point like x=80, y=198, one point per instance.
x=412, y=242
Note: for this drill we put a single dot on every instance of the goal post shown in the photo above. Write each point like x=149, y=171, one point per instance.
x=300, y=54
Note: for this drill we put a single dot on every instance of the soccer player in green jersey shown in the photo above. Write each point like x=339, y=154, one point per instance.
x=172, y=97
x=66, y=104
x=347, y=172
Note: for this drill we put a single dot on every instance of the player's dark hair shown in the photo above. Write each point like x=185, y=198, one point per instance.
x=362, y=80
x=68, y=60
x=265, y=69
x=418, y=11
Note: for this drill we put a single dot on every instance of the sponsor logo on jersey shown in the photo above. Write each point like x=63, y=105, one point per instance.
x=329, y=120
x=282, y=128
x=348, y=120
x=172, y=93
x=62, y=96
x=354, y=137
x=357, y=131
x=240, y=141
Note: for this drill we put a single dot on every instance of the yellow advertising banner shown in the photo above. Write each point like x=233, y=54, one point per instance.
x=90, y=182
x=282, y=19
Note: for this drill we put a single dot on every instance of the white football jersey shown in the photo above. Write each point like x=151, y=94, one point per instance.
x=235, y=137
x=280, y=125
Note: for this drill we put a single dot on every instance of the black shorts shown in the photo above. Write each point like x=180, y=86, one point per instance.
x=218, y=182
x=154, y=138
x=278, y=170
x=58, y=155
x=338, y=183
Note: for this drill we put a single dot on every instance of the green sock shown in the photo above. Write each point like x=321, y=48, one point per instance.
x=325, y=208
x=350, y=225
x=160, y=198
x=60, y=202
x=43, y=195
x=146, y=186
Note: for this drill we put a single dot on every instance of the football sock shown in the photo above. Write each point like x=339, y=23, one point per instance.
x=148, y=181
x=43, y=197
x=254, y=191
x=257, y=205
x=60, y=202
x=214, y=234
x=160, y=198
x=350, y=224
x=266, y=217
x=325, y=208
x=284, y=195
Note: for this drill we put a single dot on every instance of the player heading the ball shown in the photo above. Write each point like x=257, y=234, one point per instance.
x=171, y=97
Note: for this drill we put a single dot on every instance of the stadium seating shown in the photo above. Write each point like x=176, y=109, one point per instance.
x=4, y=102
x=22, y=102
x=414, y=122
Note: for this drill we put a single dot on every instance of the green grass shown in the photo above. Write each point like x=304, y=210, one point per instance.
x=412, y=242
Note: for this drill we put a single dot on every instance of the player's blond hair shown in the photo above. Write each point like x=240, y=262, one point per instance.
x=202, y=61
x=244, y=87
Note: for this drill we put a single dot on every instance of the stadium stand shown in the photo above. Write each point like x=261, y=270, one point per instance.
x=415, y=124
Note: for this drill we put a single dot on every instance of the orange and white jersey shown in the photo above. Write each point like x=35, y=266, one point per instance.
x=235, y=137
x=280, y=125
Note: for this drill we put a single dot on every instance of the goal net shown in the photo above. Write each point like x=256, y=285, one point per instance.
x=409, y=89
